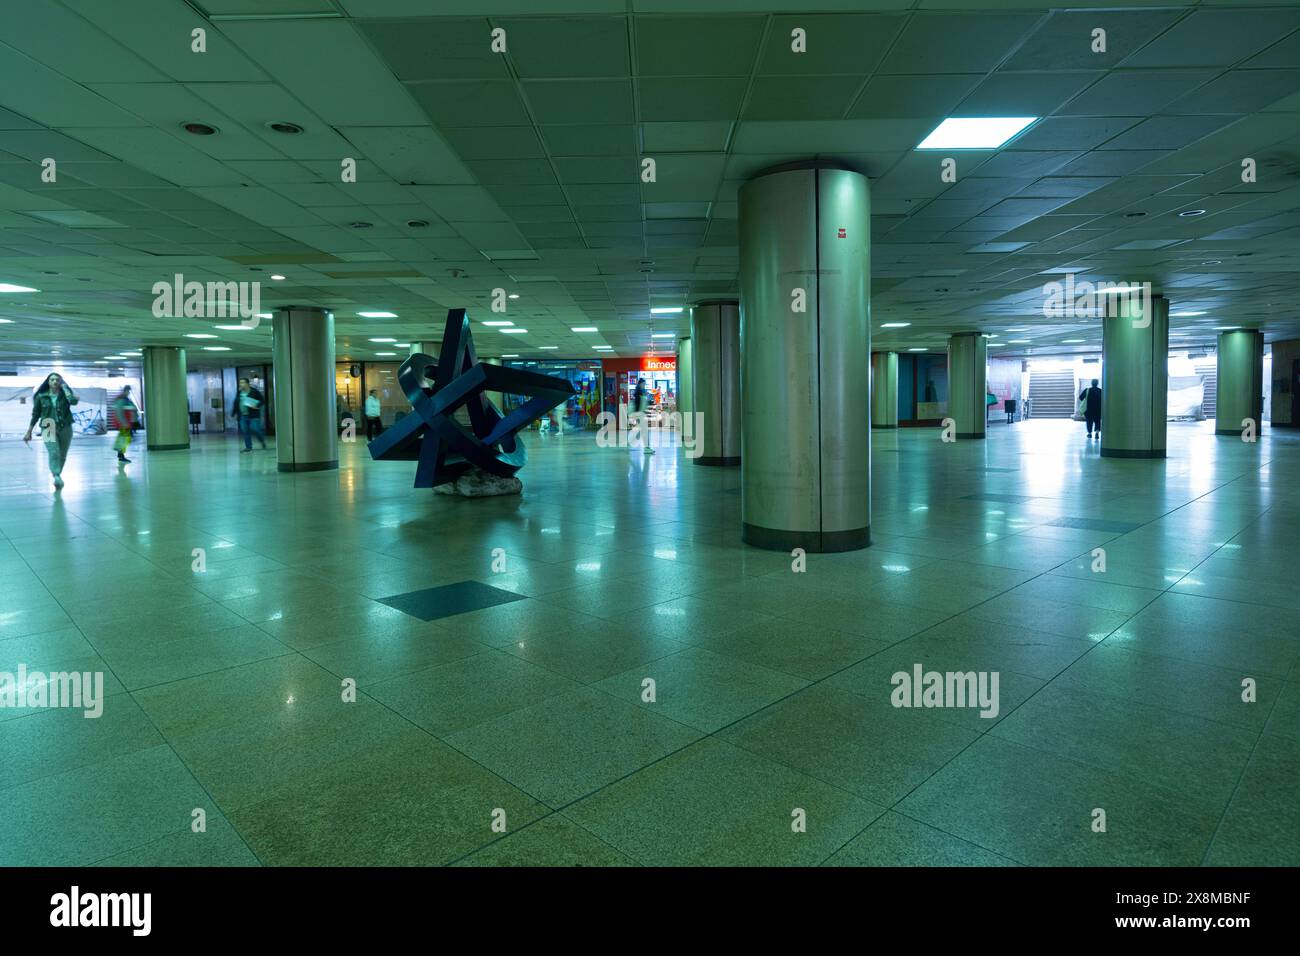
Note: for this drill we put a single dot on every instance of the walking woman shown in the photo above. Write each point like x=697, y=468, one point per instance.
x=52, y=407
x=128, y=419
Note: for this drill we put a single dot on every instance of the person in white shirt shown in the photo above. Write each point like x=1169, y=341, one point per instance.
x=372, y=412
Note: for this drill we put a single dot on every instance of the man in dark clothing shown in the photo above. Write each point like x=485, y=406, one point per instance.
x=1092, y=409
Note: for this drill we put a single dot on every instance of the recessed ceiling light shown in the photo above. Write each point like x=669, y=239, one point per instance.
x=547, y=348
x=215, y=348
x=7, y=287
x=417, y=223
x=1185, y=314
x=277, y=277
x=895, y=325
x=97, y=362
x=116, y=358
x=289, y=129
x=663, y=335
x=666, y=310
x=602, y=348
x=585, y=328
x=1226, y=328
x=1017, y=341
x=199, y=129
x=384, y=340
x=132, y=353
x=403, y=345
x=377, y=315
x=918, y=350
x=494, y=325
x=264, y=315
x=233, y=328
x=515, y=331
x=385, y=353
x=6, y=321
x=985, y=132
x=199, y=335
x=513, y=295
x=1186, y=213
x=1212, y=262
x=1071, y=341
x=511, y=355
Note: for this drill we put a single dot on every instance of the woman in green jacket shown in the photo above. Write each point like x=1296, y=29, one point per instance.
x=52, y=407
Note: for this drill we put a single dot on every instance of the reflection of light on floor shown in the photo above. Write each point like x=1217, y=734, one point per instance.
x=550, y=531
x=661, y=611
x=896, y=568
x=669, y=554
x=587, y=566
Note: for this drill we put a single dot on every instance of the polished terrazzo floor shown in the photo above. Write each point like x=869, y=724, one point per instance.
x=1119, y=690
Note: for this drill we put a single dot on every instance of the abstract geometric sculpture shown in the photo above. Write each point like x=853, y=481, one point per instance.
x=438, y=388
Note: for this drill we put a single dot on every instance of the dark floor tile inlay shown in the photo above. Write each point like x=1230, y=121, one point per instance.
x=430, y=604
x=1096, y=524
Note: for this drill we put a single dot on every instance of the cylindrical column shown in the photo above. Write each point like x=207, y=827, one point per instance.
x=302, y=344
x=715, y=355
x=968, y=383
x=805, y=346
x=1239, y=392
x=1134, y=376
x=884, y=389
x=166, y=399
x=685, y=373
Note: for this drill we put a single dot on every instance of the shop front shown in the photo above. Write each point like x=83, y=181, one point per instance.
x=581, y=410
x=620, y=381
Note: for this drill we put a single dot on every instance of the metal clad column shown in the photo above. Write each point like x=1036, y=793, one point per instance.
x=1240, y=388
x=685, y=373
x=302, y=344
x=884, y=389
x=715, y=360
x=1134, y=378
x=968, y=383
x=805, y=472
x=166, y=399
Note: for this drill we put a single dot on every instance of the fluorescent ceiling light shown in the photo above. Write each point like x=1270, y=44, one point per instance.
x=385, y=353
x=233, y=328
x=264, y=315
x=603, y=348
x=115, y=357
x=377, y=315
x=7, y=287
x=1186, y=315
x=984, y=132
x=585, y=328
x=895, y=325
x=663, y=335
x=1226, y=328
x=6, y=321
x=199, y=335
x=918, y=350
x=1017, y=341
x=515, y=331
x=277, y=277
x=493, y=325
x=383, y=340
x=666, y=310
x=511, y=355
x=215, y=348
x=546, y=348
x=513, y=295
x=132, y=353
x=1071, y=341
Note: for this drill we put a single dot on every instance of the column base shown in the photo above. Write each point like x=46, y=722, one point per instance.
x=149, y=447
x=965, y=435
x=1133, y=453
x=815, y=542
x=307, y=465
x=884, y=426
x=725, y=460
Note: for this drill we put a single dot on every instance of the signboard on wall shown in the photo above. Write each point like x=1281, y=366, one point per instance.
x=652, y=364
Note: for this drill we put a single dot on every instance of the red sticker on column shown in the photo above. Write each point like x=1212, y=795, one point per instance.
x=843, y=233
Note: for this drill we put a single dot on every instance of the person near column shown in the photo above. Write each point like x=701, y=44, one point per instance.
x=248, y=409
x=374, y=426
x=52, y=408
x=128, y=419
x=1090, y=398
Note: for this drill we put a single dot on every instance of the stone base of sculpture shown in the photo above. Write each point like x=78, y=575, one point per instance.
x=478, y=483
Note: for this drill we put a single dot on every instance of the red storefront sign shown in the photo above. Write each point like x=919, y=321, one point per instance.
x=650, y=364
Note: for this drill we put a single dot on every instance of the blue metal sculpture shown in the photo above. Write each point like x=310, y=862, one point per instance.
x=438, y=388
